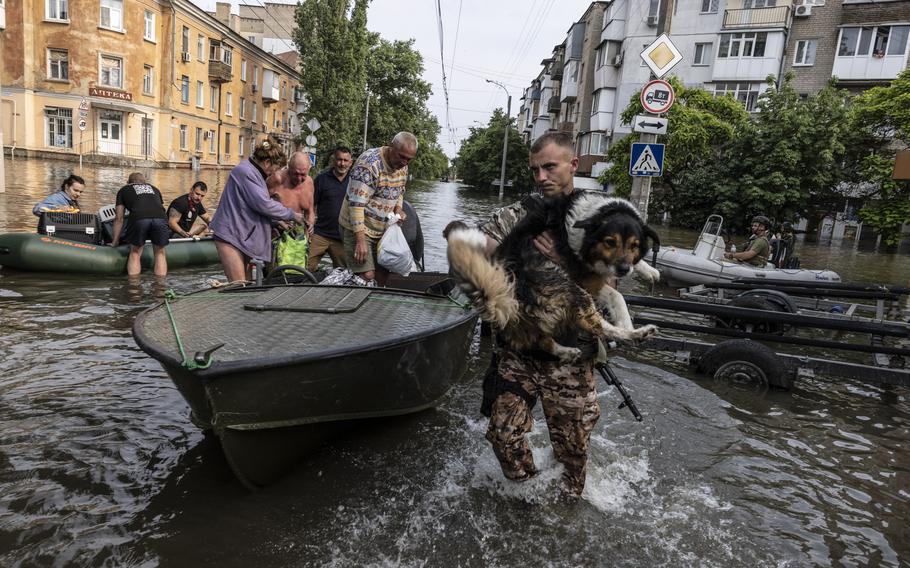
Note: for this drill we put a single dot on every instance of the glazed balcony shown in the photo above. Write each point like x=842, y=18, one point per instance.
x=745, y=18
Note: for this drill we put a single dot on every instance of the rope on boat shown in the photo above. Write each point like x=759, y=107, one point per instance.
x=188, y=364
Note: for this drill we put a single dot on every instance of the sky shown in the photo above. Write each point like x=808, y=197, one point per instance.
x=500, y=40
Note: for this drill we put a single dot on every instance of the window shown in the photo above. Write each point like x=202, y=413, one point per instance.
x=242, y=108
x=149, y=29
x=148, y=79
x=746, y=93
x=59, y=127
x=878, y=41
x=759, y=3
x=243, y=69
x=185, y=90
x=58, y=67
x=805, y=52
x=601, y=55
x=57, y=10
x=200, y=94
x=229, y=104
x=703, y=54
x=213, y=97
x=227, y=143
x=653, y=8
x=253, y=118
x=185, y=41
x=227, y=55
x=214, y=50
x=211, y=141
x=709, y=6
x=183, y=137
x=111, y=72
x=641, y=60
x=112, y=14
x=198, y=145
x=255, y=75
x=240, y=146
x=200, y=47
x=275, y=122
x=748, y=44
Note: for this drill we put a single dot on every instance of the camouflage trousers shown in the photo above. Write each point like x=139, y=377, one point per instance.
x=569, y=399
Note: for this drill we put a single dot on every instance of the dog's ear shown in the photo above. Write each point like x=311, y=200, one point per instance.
x=585, y=223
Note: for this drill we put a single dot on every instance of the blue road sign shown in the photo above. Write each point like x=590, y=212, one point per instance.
x=646, y=159
x=313, y=159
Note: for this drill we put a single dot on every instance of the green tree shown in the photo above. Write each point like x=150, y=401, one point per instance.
x=700, y=129
x=398, y=98
x=787, y=162
x=332, y=38
x=480, y=156
x=882, y=117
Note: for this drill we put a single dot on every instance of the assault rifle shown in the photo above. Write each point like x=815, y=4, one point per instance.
x=611, y=379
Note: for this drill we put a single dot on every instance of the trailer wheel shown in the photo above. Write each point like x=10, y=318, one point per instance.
x=742, y=361
x=750, y=325
x=780, y=300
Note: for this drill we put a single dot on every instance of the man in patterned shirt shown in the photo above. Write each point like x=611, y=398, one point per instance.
x=376, y=188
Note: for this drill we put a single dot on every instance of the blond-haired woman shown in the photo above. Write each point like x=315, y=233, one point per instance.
x=243, y=220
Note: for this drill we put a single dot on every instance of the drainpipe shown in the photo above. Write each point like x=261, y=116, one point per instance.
x=218, y=116
x=783, y=57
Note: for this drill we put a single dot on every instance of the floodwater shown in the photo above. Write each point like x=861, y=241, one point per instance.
x=101, y=466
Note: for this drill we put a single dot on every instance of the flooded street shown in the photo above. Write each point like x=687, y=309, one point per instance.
x=101, y=466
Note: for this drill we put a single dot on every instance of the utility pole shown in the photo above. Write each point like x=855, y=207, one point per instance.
x=505, y=137
x=366, y=120
x=641, y=186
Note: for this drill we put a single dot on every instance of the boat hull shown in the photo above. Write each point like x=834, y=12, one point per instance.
x=270, y=412
x=681, y=267
x=43, y=253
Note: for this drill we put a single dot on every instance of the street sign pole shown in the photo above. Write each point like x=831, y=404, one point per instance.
x=641, y=186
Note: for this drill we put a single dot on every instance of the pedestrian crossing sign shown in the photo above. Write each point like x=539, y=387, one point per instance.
x=646, y=159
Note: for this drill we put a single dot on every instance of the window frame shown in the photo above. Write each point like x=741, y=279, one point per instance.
x=243, y=70
x=242, y=108
x=213, y=98
x=750, y=96
x=148, y=80
x=229, y=104
x=806, y=43
x=740, y=43
x=200, y=94
x=57, y=119
x=712, y=6
x=65, y=74
x=57, y=4
x=867, y=39
x=198, y=142
x=183, y=138
x=148, y=26
x=211, y=141
x=122, y=68
x=111, y=5
x=200, y=48
x=185, y=89
x=707, y=51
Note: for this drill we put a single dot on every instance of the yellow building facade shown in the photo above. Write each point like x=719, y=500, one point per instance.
x=138, y=81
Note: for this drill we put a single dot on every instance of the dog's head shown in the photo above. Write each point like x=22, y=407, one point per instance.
x=608, y=234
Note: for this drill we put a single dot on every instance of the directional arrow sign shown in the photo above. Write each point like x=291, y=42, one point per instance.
x=646, y=124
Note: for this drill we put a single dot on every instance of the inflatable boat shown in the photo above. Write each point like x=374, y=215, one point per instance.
x=47, y=253
x=705, y=264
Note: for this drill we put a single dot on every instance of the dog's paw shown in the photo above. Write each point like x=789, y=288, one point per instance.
x=568, y=354
x=647, y=272
x=644, y=332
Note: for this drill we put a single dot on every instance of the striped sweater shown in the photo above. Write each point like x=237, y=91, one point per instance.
x=374, y=191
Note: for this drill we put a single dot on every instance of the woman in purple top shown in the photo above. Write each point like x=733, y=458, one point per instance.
x=243, y=220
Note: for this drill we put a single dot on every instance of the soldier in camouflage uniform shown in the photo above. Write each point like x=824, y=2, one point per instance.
x=566, y=391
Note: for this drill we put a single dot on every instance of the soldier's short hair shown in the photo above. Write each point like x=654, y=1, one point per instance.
x=561, y=139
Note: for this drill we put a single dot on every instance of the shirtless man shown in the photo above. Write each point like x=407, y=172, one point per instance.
x=293, y=188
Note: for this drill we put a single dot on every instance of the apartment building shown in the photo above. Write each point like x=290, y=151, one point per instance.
x=728, y=47
x=138, y=81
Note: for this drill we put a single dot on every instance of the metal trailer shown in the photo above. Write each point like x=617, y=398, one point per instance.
x=761, y=346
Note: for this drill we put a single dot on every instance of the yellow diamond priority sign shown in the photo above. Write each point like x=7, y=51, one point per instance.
x=661, y=56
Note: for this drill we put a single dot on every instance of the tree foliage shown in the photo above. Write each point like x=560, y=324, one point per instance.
x=882, y=118
x=332, y=39
x=341, y=61
x=480, y=156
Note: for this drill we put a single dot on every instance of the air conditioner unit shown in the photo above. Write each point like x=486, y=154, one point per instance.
x=255, y=88
x=803, y=10
x=617, y=61
x=185, y=56
x=652, y=21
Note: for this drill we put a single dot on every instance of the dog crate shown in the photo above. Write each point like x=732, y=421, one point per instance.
x=80, y=227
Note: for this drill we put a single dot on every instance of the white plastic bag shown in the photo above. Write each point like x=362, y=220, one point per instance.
x=394, y=252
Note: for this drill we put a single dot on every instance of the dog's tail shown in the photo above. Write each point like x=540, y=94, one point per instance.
x=484, y=281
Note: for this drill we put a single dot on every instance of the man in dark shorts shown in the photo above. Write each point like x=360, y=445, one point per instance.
x=183, y=212
x=148, y=221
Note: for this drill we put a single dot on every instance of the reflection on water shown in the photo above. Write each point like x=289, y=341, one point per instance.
x=100, y=465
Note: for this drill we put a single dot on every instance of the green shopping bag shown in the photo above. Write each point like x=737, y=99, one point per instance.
x=291, y=248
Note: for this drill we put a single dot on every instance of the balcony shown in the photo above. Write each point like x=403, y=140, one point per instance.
x=219, y=71
x=567, y=126
x=270, y=87
x=569, y=92
x=743, y=19
x=553, y=104
x=556, y=69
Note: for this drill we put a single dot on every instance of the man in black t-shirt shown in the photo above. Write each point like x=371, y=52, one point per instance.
x=330, y=188
x=148, y=221
x=183, y=212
